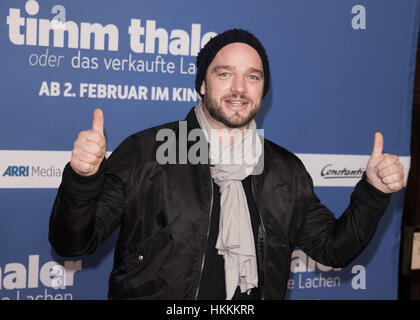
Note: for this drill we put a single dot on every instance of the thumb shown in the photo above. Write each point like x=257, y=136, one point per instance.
x=98, y=121
x=378, y=145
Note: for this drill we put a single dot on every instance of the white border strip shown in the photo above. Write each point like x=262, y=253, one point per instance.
x=43, y=169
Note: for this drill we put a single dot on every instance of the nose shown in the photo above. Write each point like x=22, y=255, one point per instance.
x=238, y=85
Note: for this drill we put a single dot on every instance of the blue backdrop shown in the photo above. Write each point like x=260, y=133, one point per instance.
x=341, y=70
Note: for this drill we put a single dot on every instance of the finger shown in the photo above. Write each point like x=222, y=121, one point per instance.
x=83, y=167
x=391, y=169
x=87, y=158
x=378, y=145
x=92, y=136
x=395, y=186
x=79, y=153
x=393, y=178
x=83, y=141
x=387, y=160
x=98, y=121
x=92, y=148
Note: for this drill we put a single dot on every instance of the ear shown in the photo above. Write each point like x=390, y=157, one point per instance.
x=203, y=88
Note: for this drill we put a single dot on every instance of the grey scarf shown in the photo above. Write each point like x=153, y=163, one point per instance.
x=235, y=240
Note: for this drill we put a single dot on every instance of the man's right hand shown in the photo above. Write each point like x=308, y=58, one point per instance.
x=90, y=147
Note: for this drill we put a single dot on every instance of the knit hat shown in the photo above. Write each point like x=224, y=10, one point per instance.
x=209, y=51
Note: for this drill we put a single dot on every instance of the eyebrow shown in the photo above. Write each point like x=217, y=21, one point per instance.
x=228, y=67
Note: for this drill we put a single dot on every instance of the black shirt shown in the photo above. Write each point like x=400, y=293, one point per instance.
x=212, y=285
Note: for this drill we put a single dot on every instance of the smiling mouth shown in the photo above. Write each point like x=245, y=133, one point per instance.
x=236, y=103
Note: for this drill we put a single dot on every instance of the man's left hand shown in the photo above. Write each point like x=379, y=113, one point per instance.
x=384, y=171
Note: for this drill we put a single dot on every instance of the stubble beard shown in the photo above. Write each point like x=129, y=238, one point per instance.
x=236, y=120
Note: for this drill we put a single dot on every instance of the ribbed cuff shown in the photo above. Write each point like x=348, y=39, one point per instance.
x=368, y=194
x=78, y=185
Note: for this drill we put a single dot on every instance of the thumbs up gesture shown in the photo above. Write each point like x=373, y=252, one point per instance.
x=384, y=171
x=90, y=147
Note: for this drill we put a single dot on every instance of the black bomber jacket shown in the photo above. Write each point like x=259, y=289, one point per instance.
x=164, y=213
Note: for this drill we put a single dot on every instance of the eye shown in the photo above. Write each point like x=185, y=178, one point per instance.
x=253, y=77
x=224, y=74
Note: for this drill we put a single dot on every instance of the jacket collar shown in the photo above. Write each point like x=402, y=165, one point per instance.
x=192, y=120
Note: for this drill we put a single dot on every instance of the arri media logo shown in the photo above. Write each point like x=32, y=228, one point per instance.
x=16, y=171
x=32, y=171
x=330, y=172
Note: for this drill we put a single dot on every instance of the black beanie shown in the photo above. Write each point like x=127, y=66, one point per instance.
x=209, y=51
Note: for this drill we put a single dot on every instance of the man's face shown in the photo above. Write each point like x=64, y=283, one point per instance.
x=233, y=86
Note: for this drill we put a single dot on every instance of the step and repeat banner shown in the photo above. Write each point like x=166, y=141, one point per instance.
x=341, y=70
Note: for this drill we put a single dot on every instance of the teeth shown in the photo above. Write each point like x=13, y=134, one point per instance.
x=235, y=103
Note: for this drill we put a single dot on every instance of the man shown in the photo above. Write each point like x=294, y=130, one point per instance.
x=213, y=230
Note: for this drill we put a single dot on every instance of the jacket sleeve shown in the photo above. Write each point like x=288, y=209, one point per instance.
x=336, y=242
x=87, y=210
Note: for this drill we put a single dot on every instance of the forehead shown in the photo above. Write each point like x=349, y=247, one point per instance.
x=238, y=54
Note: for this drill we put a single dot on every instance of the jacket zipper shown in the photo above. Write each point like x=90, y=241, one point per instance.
x=207, y=237
x=265, y=233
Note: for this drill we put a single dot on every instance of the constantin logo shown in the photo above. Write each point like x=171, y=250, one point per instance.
x=330, y=172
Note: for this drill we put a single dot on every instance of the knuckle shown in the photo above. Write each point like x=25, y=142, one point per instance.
x=96, y=137
x=100, y=154
x=383, y=173
x=90, y=159
x=103, y=142
x=97, y=150
x=76, y=153
x=93, y=159
x=76, y=144
x=81, y=135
